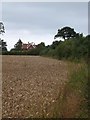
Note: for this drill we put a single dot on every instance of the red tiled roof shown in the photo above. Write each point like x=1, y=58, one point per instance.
x=27, y=46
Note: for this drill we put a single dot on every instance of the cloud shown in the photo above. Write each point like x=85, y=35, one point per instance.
x=43, y=18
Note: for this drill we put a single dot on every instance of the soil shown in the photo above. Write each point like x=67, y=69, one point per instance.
x=31, y=85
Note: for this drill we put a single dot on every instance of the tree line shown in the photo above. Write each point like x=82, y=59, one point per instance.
x=73, y=46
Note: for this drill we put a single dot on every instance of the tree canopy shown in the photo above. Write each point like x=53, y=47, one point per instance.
x=66, y=33
x=2, y=29
x=3, y=45
x=18, y=45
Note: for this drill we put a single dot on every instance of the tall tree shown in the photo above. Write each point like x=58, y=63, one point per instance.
x=2, y=29
x=18, y=45
x=2, y=43
x=66, y=33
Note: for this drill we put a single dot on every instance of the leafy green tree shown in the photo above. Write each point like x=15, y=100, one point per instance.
x=2, y=29
x=18, y=45
x=3, y=45
x=87, y=45
x=66, y=33
x=55, y=44
x=41, y=45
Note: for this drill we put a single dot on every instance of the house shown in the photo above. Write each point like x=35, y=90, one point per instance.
x=28, y=46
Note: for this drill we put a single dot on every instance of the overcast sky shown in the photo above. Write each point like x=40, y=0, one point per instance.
x=39, y=22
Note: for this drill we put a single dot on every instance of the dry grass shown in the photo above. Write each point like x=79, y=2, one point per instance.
x=31, y=85
x=75, y=104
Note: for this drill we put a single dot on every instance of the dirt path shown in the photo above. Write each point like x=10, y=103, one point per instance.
x=31, y=85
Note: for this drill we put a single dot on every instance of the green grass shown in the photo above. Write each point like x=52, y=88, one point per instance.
x=78, y=83
x=77, y=86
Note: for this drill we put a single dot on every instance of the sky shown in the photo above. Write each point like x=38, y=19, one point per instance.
x=39, y=21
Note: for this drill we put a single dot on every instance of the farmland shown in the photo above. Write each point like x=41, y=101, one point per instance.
x=31, y=85
x=39, y=87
